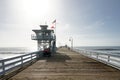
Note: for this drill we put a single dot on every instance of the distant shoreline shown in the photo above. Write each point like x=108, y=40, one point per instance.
x=107, y=49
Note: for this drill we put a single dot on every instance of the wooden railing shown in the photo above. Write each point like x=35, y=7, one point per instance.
x=106, y=58
x=7, y=65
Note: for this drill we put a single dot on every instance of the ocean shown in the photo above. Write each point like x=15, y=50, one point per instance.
x=101, y=49
x=7, y=52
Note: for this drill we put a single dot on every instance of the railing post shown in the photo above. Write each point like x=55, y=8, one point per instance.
x=90, y=54
x=3, y=67
x=108, y=58
x=38, y=55
x=97, y=55
x=21, y=60
x=31, y=57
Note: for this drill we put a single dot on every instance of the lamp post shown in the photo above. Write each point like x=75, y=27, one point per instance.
x=71, y=39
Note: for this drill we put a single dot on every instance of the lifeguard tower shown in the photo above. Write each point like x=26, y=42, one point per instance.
x=45, y=38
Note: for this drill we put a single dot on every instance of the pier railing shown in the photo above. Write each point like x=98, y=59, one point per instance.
x=8, y=65
x=106, y=58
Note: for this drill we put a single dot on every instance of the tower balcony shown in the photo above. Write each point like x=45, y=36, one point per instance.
x=34, y=37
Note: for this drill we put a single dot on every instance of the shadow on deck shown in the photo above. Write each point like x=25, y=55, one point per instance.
x=57, y=57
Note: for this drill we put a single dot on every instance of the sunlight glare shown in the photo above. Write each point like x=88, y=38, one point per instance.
x=37, y=8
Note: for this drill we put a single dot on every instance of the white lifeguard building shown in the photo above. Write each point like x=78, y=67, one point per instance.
x=45, y=38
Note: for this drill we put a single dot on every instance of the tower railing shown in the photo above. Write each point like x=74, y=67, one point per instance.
x=34, y=37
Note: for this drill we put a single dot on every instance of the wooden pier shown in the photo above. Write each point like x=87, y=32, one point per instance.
x=67, y=65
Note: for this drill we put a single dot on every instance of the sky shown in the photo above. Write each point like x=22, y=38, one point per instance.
x=88, y=22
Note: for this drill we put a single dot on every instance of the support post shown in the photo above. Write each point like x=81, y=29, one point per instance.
x=21, y=61
x=108, y=58
x=3, y=65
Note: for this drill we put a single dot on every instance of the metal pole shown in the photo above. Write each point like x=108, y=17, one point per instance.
x=55, y=38
x=55, y=28
x=71, y=39
x=72, y=43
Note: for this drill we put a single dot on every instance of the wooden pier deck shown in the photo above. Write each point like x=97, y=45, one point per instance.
x=67, y=65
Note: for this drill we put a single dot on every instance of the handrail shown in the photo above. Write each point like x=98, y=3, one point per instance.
x=7, y=65
x=106, y=58
x=34, y=37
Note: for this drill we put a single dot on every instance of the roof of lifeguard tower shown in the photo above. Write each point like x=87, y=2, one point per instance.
x=43, y=28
